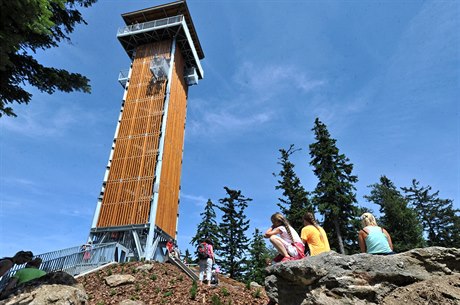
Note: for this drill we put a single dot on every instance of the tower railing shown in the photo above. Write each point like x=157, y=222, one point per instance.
x=150, y=25
x=75, y=260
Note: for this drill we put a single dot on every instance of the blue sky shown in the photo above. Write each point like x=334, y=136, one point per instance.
x=382, y=75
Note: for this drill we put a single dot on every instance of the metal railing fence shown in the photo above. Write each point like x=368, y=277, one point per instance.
x=72, y=260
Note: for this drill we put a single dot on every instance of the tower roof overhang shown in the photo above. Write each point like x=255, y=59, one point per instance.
x=159, y=23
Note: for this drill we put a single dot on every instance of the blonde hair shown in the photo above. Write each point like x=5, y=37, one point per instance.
x=278, y=219
x=367, y=219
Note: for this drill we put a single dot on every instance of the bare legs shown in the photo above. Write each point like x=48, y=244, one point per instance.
x=279, y=245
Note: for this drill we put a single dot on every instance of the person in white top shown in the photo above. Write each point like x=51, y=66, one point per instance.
x=285, y=239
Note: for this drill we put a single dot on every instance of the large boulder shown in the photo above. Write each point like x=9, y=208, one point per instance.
x=332, y=278
x=57, y=288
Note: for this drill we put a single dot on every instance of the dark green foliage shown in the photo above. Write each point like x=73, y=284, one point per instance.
x=28, y=26
x=234, y=244
x=193, y=290
x=187, y=256
x=215, y=300
x=440, y=221
x=295, y=202
x=208, y=227
x=334, y=195
x=258, y=256
x=398, y=218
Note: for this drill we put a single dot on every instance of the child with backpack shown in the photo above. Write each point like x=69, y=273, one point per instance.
x=205, y=260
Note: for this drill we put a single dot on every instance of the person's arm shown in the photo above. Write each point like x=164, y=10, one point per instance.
x=304, y=235
x=272, y=231
x=212, y=255
x=388, y=238
x=361, y=240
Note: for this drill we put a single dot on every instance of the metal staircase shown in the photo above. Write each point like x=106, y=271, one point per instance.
x=176, y=261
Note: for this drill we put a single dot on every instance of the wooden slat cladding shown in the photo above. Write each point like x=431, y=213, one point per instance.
x=168, y=202
x=129, y=185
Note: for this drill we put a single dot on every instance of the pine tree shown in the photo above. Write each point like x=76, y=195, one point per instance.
x=334, y=195
x=234, y=244
x=208, y=227
x=258, y=256
x=398, y=218
x=295, y=202
x=440, y=221
x=187, y=256
x=28, y=26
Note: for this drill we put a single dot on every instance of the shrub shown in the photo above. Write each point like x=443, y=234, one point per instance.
x=215, y=300
x=193, y=290
x=225, y=292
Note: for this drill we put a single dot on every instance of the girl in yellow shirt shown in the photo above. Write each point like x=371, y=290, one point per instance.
x=313, y=235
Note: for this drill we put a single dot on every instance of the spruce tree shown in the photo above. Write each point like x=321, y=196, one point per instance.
x=208, y=227
x=258, y=256
x=29, y=26
x=187, y=256
x=440, y=221
x=398, y=218
x=334, y=195
x=295, y=202
x=234, y=244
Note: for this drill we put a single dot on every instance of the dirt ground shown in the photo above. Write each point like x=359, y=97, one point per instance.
x=165, y=284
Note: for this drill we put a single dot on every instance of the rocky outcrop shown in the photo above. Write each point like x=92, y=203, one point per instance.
x=57, y=288
x=332, y=278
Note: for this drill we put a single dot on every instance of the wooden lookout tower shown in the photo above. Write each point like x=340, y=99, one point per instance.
x=139, y=201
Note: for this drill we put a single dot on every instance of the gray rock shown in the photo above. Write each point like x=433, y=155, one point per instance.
x=332, y=278
x=131, y=302
x=50, y=295
x=119, y=279
x=146, y=267
x=255, y=285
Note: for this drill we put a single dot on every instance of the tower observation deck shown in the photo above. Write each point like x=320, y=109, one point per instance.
x=139, y=201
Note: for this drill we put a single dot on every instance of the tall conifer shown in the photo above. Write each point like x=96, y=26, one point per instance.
x=208, y=227
x=334, y=195
x=295, y=202
x=258, y=256
x=440, y=221
x=398, y=218
x=234, y=244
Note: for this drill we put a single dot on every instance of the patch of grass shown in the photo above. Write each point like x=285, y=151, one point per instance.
x=134, y=298
x=180, y=278
x=193, y=290
x=157, y=290
x=133, y=270
x=248, y=285
x=215, y=300
x=138, y=287
x=109, y=272
x=113, y=292
x=225, y=291
x=168, y=293
x=153, y=277
x=256, y=294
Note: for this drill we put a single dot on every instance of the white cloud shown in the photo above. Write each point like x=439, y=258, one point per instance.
x=197, y=200
x=43, y=119
x=256, y=103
